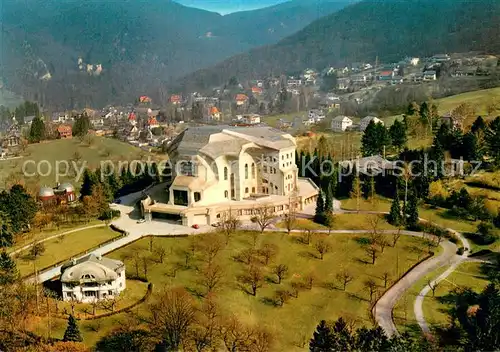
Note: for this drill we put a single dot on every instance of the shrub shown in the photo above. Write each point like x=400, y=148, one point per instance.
x=460, y=250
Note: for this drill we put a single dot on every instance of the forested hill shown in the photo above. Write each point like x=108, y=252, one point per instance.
x=389, y=29
x=141, y=44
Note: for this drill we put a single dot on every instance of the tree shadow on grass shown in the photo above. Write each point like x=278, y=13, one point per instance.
x=268, y=301
x=195, y=292
x=271, y=280
x=356, y=297
x=330, y=286
x=362, y=261
x=307, y=255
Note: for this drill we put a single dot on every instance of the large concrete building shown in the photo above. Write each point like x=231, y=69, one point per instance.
x=217, y=168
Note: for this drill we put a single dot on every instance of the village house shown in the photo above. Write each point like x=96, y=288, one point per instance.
x=257, y=91
x=175, y=99
x=316, y=116
x=241, y=99
x=370, y=166
x=238, y=169
x=251, y=119
x=341, y=123
x=92, y=278
x=363, y=124
x=385, y=76
x=453, y=121
x=294, y=83
x=430, y=75
x=64, y=132
x=343, y=83
x=214, y=113
x=12, y=138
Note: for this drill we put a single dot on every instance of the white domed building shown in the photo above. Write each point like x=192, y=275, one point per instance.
x=92, y=278
x=61, y=194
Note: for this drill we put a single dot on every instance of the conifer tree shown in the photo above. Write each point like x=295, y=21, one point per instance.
x=72, y=332
x=394, y=216
x=6, y=238
x=90, y=179
x=37, y=130
x=8, y=269
x=320, y=209
x=321, y=340
x=411, y=215
x=328, y=199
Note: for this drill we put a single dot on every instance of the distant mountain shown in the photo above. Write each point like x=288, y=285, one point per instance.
x=389, y=29
x=141, y=45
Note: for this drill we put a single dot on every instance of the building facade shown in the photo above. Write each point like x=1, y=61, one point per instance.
x=222, y=167
x=341, y=123
x=363, y=124
x=92, y=278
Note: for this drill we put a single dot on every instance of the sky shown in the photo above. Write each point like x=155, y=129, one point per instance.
x=228, y=6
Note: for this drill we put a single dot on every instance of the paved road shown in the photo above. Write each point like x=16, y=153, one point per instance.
x=456, y=260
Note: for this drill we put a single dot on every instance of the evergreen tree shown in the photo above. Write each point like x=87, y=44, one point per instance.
x=19, y=208
x=478, y=125
x=411, y=212
x=6, y=238
x=328, y=199
x=437, y=154
x=374, y=139
x=90, y=179
x=72, y=332
x=319, y=215
x=470, y=147
x=394, y=217
x=37, y=130
x=8, y=269
x=493, y=140
x=321, y=340
x=81, y=125
x=356, y=191
x=398, y=135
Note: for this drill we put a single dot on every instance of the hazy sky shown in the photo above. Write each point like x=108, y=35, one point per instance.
x=227, y=6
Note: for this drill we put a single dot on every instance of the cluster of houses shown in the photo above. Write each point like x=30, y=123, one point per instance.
x=343, y=123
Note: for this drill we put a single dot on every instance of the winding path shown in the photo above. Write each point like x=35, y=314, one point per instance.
x=455, y=262
x=383, y=308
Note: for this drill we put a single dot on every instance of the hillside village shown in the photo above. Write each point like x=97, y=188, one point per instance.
x=281, y=191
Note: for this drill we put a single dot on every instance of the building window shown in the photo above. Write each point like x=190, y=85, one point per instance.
x=226, y=194
x=187, y=168
x=225, y=173
x=197, y=196
x=263, y=189
x=253, y=190
x=90, y=293
x=232, y=194
x=253, y=170
x=265, y=168
x=276, y=187
x=246, y=171
x=246, y=190
x=180, y=197
x=110, y=293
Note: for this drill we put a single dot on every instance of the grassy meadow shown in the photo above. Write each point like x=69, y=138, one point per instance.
x=63, y=247
x=68, y=150
x=293, y=323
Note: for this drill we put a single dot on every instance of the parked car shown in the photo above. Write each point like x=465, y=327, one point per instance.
x=216, y=224
x=196, y=226
x=118, y=201
x=141, y=221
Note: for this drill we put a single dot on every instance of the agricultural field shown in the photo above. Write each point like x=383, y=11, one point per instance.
x=89, y=152
x=62, y=248
x=291, y=324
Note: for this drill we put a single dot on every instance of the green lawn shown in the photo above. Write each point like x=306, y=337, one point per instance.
x=293, y=323
x=435, y=308
x=35, y=235
x=64, y=150
x=64, y=247
x=480, y=99
x=343, y=222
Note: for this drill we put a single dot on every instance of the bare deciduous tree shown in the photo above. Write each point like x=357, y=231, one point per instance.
x=212, y=275
x=160, y=253
x=268, y=252
x=204, y=335
x=172, y=314
x=280, y=270
x=229, y=223
x=254, y=278
x=371, y=286
x=344, y=277
x=281, y=297
x=310, y=279
x=246, y=256
x=264, y=215
x=386, y=276
x=306, y=236
x=212, y=245
x=322, y=247
x=237, y=337
x=372, y=252
x=396, y=236
x=295, y=288
x=290, y=216
x=433, y=285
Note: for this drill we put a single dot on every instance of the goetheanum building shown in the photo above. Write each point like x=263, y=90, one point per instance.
x=92, y=278
x=217, y=168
